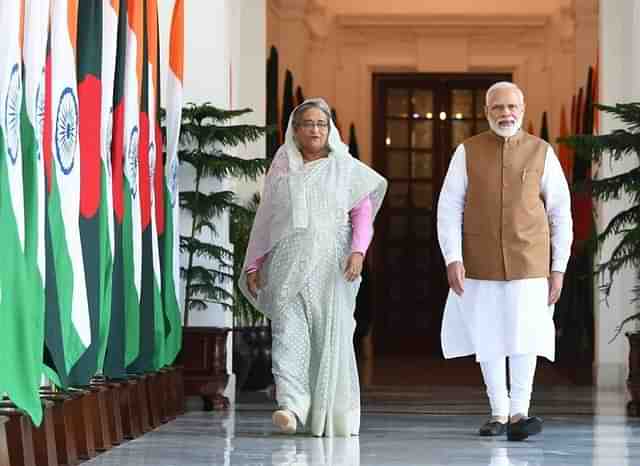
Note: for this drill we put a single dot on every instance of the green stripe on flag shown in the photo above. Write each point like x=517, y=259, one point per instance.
x=22, y=324
x=106, y=268
x=158, y=329
x=131, y=299
x=72, y=344
x=171, y=308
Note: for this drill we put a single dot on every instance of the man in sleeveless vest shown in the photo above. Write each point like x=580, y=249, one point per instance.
x=505, y=231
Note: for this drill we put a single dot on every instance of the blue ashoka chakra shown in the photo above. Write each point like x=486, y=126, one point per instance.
x=152, y=160
x=108, y=138
x=152, y=168
x=39, y=113
x=66, y=130
x=173, y=180
x=131, y=161
x=12, y=105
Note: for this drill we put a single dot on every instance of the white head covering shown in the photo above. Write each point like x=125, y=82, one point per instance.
x=334, y=142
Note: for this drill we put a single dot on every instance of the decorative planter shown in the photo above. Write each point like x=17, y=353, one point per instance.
x=204, y=359
x=633, y=382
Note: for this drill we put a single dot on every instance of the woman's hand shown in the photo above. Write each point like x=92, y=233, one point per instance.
x=354, y=266
x=253, y=283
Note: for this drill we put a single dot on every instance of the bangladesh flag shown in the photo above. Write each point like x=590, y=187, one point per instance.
x=89, y=99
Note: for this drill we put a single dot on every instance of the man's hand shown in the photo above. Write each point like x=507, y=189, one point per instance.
x=555, y=286
x=455, y=275
x=354, y=266
x=253, y=283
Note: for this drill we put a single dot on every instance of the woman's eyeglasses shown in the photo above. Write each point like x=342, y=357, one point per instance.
x=309, y=125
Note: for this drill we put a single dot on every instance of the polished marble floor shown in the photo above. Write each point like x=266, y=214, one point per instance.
x=400, y=426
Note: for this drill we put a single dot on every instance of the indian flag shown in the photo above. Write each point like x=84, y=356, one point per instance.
x=157, y=210
x=67, y=307
x=143, y=362
x=131, y=229
x=21, y=292
x=114, y=362
x=36, y=30
x=152, y=318
x=170, y=266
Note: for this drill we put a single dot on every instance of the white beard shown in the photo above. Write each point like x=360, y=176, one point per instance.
x=508, y=131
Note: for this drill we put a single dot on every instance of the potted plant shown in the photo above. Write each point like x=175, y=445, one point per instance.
x=621, y=144
x=205, y=135
x=252, y=333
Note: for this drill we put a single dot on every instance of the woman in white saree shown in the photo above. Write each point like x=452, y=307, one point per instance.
x=303, y=273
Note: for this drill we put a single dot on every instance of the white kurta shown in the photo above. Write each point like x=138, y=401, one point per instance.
x=493, y=319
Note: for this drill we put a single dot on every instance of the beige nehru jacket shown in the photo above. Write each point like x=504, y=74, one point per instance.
x=505, y=227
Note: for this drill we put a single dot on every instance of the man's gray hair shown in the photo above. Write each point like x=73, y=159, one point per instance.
x=298, y=113
x=503, y=85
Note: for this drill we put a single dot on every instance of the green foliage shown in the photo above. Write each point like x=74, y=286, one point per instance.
x=205, y=133
x=241, y=222
x=619, y=145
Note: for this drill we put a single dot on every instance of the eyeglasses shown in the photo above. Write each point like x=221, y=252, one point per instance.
x=309, y=125
x=496, y=108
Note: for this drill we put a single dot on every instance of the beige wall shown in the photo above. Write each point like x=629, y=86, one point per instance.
x=333, y=47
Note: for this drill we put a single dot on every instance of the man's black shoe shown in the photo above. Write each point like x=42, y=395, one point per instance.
x=492, y=429
x=522, y=429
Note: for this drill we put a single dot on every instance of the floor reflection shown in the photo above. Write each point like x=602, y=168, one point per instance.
x=527, y=456
x=309, y=451
x=434, y=428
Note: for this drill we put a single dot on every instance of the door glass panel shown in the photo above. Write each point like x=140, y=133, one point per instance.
x=422, y=195
x=422, y=226
x=398, y=227
x=422, y=259
x=461, y=103
x=422, y=288
x=398, y=103
x=397, y=164
x=395, y=256
x=461, y=130
x=423, y=103
x=482, y=125
x=421, y=164
x=422, y=135
x=397, y=133
x=398, y=194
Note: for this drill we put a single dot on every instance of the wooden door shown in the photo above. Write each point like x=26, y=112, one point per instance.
x=418, y=121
